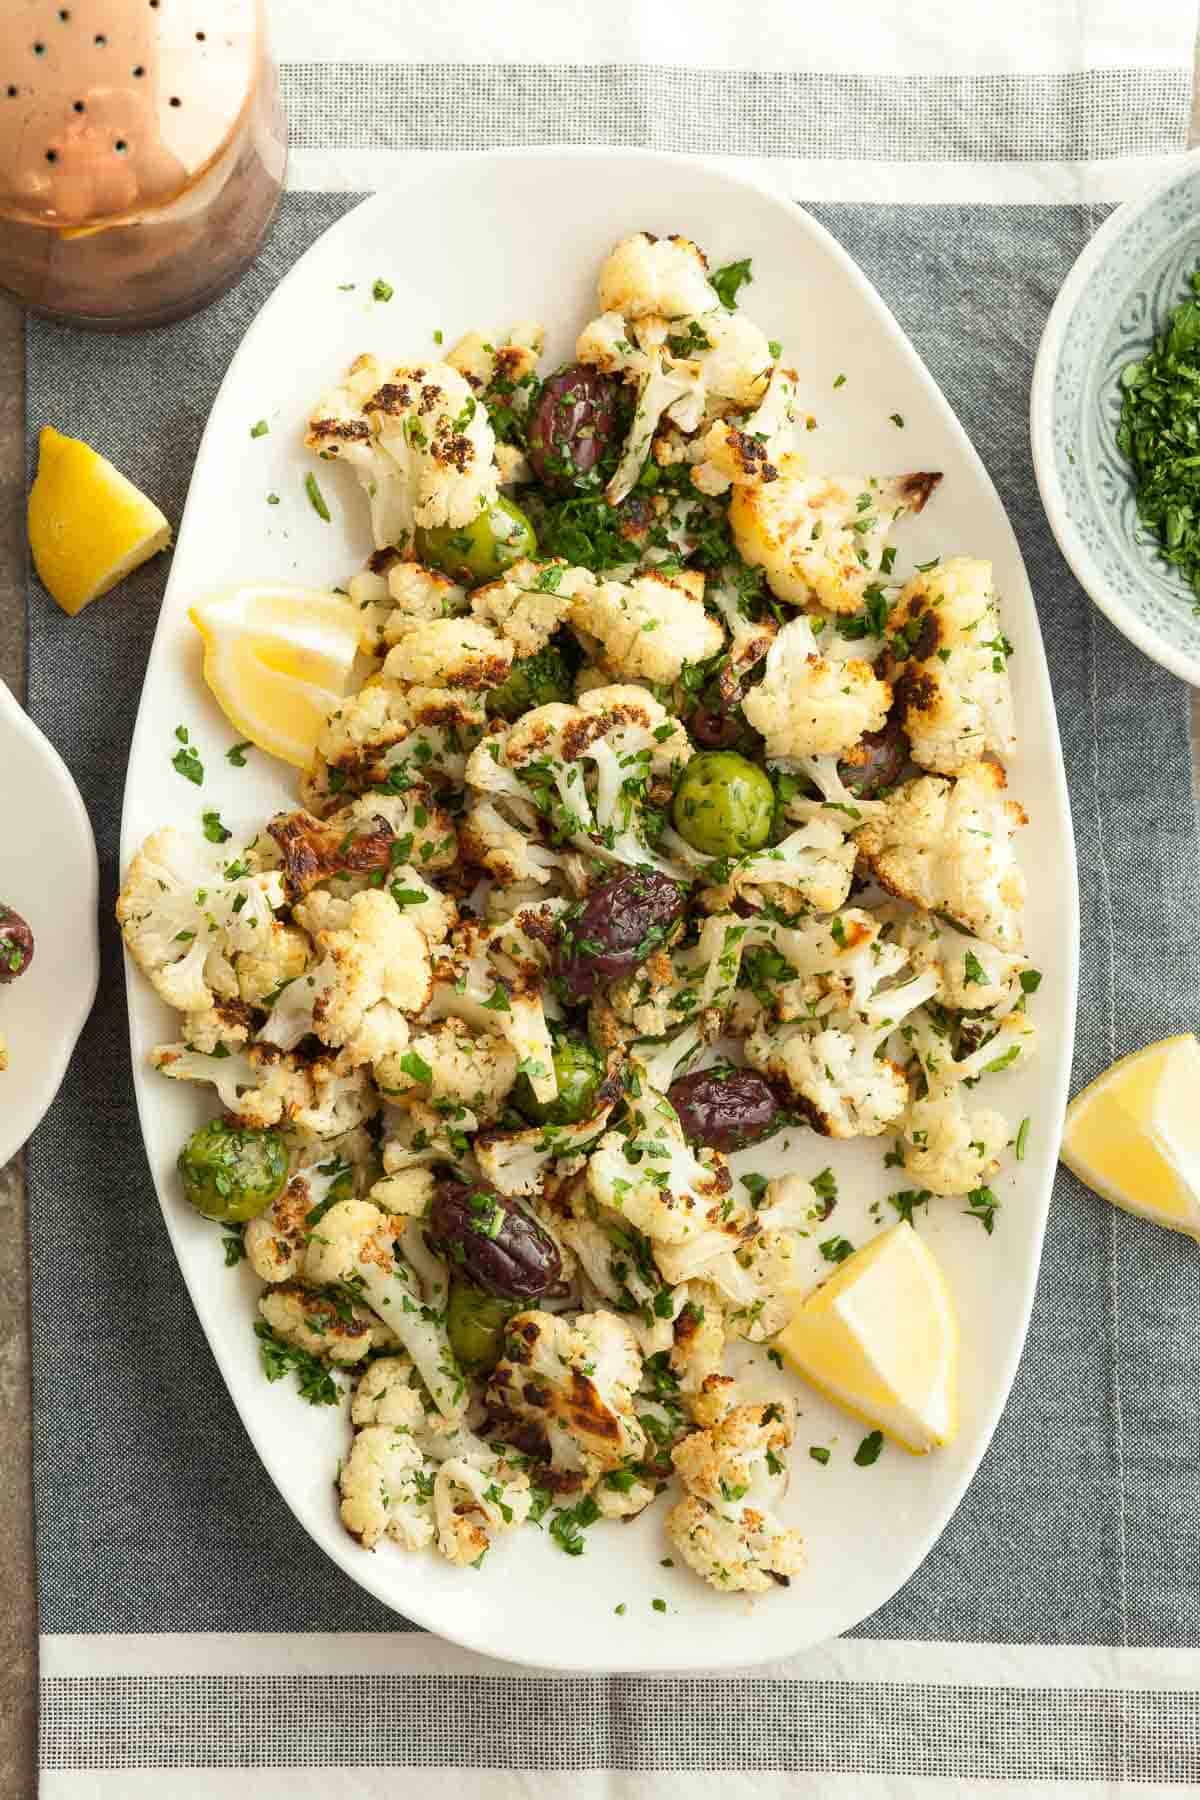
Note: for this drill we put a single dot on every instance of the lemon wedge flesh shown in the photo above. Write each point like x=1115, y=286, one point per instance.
x=278, y=660
x=880, y=1338
x=88, y=525
x=1134, y=1134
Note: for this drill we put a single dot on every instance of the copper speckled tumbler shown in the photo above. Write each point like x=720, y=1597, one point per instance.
x=142, y=151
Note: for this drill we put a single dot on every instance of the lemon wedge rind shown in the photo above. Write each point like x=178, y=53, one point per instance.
x=278, y=660
x=1133, y=1135
x=89, y=526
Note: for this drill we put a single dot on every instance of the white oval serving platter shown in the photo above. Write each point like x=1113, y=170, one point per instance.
x=484, y=241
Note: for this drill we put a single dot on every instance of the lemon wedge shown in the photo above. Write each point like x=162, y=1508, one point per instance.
x=1134, y=1134
x=88, y=525
x=278, y=660
x=880, y=1338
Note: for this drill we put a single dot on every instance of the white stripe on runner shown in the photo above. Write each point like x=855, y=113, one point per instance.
x=869, y=36
x=884, y=183
x=526, y=1784
x=80, y=1657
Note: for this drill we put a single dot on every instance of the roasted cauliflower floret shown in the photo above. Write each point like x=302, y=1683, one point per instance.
x=952, y=692
x=806, y=705
x=448, y=1061
x=810, y=870
x=530, y=601
x=450, y=653
x=947, y=846
x=260, y=1085
x=475, y=1499
x=357, y=1246
x=564, y=1392
x=388, y=1393
x=371, y=975
x=626, y=737
x=648, y=627
x=666, y=1190
x=750, y=451
x=185, y=922
x=831, y=1063
x=390, y=738
x=733, y=1475
x=387, y=1489
x=329, y=1325
x=645, y=276
x=261, y=972
x=820, y=538
x=492, y=977
x=946, y=1146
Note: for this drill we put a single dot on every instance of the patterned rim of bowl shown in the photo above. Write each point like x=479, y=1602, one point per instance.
x=1112, y=303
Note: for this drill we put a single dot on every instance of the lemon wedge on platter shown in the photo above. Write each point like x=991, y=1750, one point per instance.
x=88, y=525
x=880, y=1338
x=1133, y=1136
x=278, y=660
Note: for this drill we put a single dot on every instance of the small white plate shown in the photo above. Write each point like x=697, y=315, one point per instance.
x=485, y=241
x=48, y=872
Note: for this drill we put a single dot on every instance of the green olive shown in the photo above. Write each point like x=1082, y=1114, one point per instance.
x=475, y=1324
x=230, y=1172
x=482, y=550
x=532, y=681
x=723, y=804
x=579, y=1070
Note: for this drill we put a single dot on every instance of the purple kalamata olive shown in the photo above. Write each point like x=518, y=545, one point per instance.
x=572, y=423
x=607, y=935
x=16, y=944
x=725, y=1109
x=877, y=761
x=502, y=1249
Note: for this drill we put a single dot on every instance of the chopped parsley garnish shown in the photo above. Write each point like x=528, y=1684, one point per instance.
x=316, y=498
x=382, y=290
x=908, y=1200
x=260, y=430
x=186, y=760
x=214, y=831
x=897, y=420
x=1022, y=1139
x=1159, y=434
x=272, y=499
x=819, y=1453
x=417, y=1067
x=314, y=1380
x=659, y=1605
x=569, y=1523
x=235, y=1249
x=728, y=280
x=1031, y=980
x=973, y=971
x=236, y=754
x=839, y=381
x=868, y=1450
x=983, y=1205
x=836, y=1249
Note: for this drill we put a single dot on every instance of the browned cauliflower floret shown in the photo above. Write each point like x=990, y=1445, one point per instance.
x=449, y=1062
x=450, y=653
x=564, y=1392
x=952, y=692
x=805, y=705
x=947, y=846
x=648, y=627
x=733, y=1475
x=820, y=538
x=325, y=1324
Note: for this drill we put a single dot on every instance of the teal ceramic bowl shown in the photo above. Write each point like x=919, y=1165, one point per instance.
x=1113, y=303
